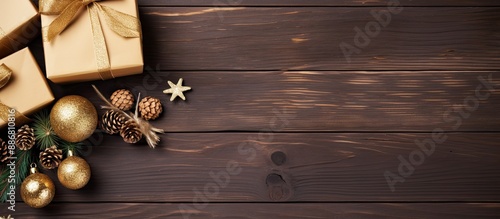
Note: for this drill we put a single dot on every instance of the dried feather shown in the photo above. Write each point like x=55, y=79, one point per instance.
x=149, y=131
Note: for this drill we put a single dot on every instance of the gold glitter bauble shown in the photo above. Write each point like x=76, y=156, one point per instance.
x=74, y=172
x=37, y=190
x=73, y=118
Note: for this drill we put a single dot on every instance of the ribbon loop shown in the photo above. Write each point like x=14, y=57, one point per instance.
x=53, y=7
x=122, y=24
x=65, y=17
x=5, y=74
x=5, y=114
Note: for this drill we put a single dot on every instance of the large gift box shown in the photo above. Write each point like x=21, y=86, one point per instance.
x=91, y=40
x=25, y=88
x=19, y=24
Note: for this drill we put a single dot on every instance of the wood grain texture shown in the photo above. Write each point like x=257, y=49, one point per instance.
x=316, y=101
x=318, y=168
x=271, y=38
x=294, y=3
x=337, y=127
x=266, y=211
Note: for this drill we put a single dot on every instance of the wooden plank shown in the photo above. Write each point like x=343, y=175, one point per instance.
x=265, y=211
x=351, y=101
x=271, y=38
x=302, y=167
x=227, y=3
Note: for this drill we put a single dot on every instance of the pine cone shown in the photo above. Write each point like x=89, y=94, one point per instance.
x=123, y=99
x=112, y=122
x=130, y=132
x=25, y=138
x=4, y=151
x=150, y=108
x=51, y=157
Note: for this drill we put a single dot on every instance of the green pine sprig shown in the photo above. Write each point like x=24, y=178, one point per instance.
x=76, y=148
x=4, y=183
x=44, y=134
x=45, y=138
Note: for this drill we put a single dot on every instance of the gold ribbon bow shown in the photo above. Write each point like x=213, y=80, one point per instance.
x=5, y=74
x=122, y=24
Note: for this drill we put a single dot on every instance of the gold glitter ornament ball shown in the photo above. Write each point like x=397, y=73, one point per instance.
x=74, y=172
x=37, y=190
x=73, y=118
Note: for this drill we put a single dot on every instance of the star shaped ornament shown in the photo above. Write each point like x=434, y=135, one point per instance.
x=176, y=90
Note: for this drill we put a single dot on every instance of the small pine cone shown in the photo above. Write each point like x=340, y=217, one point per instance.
x=51, y=157
x=25, y=138
x=123, y=99
x=4, y=151
x=130, y=132
x=112, y=121
x=150, y=108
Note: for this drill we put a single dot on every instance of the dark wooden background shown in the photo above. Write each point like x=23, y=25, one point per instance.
x=257, y=66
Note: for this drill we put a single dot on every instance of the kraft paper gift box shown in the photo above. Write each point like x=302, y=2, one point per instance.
x=19, y=24
x=27, y=90
x=75, y=55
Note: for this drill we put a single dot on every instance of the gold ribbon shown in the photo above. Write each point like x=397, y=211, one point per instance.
x=5, y=74
x=122, y=24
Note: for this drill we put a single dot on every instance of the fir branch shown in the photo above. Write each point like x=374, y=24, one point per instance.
x=4, y=185
x=77, y=147
x=44, y=134
x=23, y=161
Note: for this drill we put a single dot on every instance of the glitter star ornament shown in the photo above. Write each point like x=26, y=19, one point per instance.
x=176, y=90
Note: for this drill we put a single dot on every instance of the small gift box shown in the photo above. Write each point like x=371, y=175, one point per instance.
x=19, y=24
x=87, y=40
x=23, y=87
